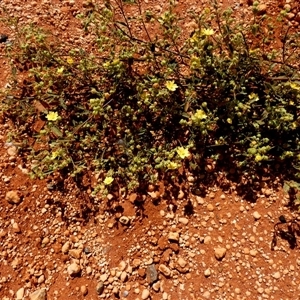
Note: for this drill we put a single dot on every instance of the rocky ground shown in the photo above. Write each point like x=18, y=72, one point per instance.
x=55, y=244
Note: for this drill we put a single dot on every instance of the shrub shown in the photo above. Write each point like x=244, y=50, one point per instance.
x=146, y=106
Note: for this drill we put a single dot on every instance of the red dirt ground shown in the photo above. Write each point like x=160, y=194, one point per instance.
x=51, y=234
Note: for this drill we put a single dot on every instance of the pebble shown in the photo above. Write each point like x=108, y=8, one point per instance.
x=20, y=294
x=38, y=295
x=256, y=215
x=210, y=207
x=207, y=240
x=74, y=269
x=151, y=273
x=276, y=275
x=88, y=270
x=180, y=195
x=65, y=248
x=83, y=290
x=145, y=294
x=183, y=221
x=16, y=227
x=12, y=151
x=207, y=272
x=41, y=279
x=122, y=265
x=75, y=253
x=124, y=220
x=164, y=269
x=45, y=241
x=253, y=252
x=173, y=236
x=220, y=253
x=100, y=288
x=261, y=9
x=103, y=277
x=206, y=295
x=12, y=197
x=123, y=276
x=181, y=262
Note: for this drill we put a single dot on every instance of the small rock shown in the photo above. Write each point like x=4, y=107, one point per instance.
x=164, y=269
x=156, y=286
x=136, y=262
x=124, y=220
x=210, y=207
x=122, y=265
x=115, y=291
x=12, y=151
x=183, y=221
x=256, y=215
x=20, y=294
x=151, y=273
x=75, y=253
x=83, y=290
x=65, y=248
x=88, y=270
x=220, y=253
x=181, y=262
x=87, y=250
x=41, y=279
x=253, y=252
x=207, y=240
x=276, y=275
x=145, y=294
x=173, y=236
x=45, y=241
x=12, y=197
x=38, y=295
x=123, y=276
x=103, y=277
x=261, y=9
x=207, y=273
x=206, y=295
x=180, y=195
x=100, y=288
x=74, y=269
x=16, y=227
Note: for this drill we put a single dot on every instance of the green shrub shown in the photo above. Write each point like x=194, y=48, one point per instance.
x=142, y=107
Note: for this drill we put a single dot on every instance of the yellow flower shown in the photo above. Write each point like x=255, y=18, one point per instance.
x=52, y=116
x=258, y=158
x=253, y=97
x=171, y=85
x=199, y=115
x=108, y=180
x=207, y=31
x=182, y=152
x=60, y=70
x=55, y=154
x=172, y=165
x=70, y=60
x=295, y=86
x=229, y=121
x=194, y=37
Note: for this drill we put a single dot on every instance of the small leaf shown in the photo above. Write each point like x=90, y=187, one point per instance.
x=286, y=187
x=56, y=131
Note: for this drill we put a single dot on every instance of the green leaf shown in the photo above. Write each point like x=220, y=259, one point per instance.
x=286, y=187
x=56, y=131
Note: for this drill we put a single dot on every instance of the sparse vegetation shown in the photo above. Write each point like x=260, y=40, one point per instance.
x=142, y=107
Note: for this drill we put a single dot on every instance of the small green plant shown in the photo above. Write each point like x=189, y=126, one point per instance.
x=152, y=105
